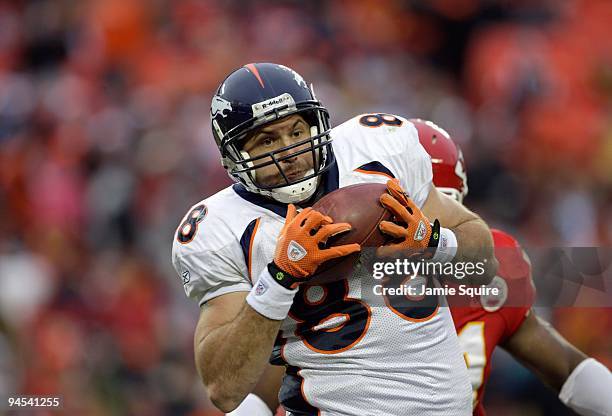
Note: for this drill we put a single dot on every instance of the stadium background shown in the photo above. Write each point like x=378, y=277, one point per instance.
x=105, y=142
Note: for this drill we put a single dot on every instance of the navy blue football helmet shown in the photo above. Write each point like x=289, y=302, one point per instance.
x=258, y=94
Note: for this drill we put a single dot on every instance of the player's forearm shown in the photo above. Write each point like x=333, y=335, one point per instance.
x=583, y=383
x=464, y=237
x=263, y=400
x=540, y=347
x=568, y=355
x=231, y=358
x=475, y=245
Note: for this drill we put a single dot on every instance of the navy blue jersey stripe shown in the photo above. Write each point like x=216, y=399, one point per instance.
x=260, y=200
x=376, y=167
x=331, y=180
x=245, y=243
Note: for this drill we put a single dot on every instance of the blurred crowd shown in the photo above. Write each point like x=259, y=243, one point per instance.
x=105, y=143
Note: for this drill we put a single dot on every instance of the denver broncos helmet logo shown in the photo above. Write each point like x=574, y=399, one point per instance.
x=297, y=77
x=219, y=106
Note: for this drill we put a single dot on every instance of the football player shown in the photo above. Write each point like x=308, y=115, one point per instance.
x=583, y=383
x=244, y=253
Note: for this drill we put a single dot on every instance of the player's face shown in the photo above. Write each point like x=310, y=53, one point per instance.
x=273, y=136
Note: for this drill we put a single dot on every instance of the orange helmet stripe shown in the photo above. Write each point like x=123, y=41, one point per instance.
x=253, y=69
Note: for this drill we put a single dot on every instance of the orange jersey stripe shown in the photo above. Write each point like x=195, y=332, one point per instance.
x=369, y=172
x=251, y=248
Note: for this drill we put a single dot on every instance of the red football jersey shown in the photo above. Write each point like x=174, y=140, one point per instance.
x=484, y=322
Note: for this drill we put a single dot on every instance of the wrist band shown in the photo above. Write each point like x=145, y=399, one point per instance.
x=270, y=298
x=252, y=405
x=282, y=278
x=447, y=246
x=587, y=389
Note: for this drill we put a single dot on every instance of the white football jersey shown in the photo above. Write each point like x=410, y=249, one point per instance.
x=343, y=355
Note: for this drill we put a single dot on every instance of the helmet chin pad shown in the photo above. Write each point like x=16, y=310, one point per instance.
x=297, y=192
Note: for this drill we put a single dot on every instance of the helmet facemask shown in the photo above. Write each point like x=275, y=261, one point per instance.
x=459, y=192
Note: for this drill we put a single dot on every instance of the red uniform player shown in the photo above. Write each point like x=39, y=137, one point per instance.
x=507, y=319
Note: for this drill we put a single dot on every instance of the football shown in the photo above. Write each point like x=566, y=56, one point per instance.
x=359, y=206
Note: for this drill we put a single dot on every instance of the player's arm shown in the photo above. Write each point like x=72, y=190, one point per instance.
x=540, y=347
x=456, y=234
x=584, y=384
x=269, y=385
x=263, y=401
x=232, y=344
x=236, y=332
x=473, y=237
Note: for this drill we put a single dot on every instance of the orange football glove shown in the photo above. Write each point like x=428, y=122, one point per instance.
x=416, y=232
x=298, y=249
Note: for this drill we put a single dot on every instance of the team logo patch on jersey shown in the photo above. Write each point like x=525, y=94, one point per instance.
x=492, y=303
x=296, y=252
x=219, y=106
x=420, y=232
